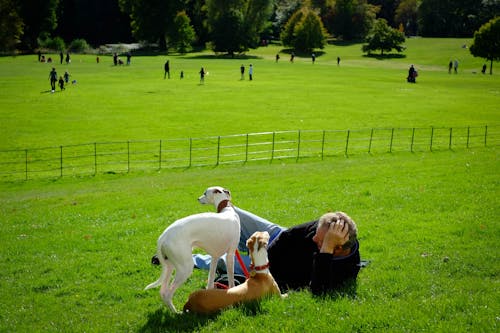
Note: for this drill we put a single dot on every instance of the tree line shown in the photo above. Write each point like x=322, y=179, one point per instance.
x=230, y=26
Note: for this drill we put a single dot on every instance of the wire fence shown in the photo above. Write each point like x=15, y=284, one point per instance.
x=124, y=157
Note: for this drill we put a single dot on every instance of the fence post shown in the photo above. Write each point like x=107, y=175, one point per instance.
x=159, y=159
x=95, y=158
x=392, y=138
x=246, y=149
x=26, y=160
x=323, y=145
x=412, y=139
x=370, y=144
x=451, y=131
x=298, y=146
x=347, y=141
x=61, y=164
x=432, y=137
x=485, y=134
x=218, y=150
x=272, y=149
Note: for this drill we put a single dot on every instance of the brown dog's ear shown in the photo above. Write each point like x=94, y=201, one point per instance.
x=250, y=243
x=217, y=191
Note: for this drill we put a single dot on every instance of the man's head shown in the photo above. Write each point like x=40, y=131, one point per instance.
x=327, y=219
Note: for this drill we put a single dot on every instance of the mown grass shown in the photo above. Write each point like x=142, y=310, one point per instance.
x=75, y=252
x=135, y=103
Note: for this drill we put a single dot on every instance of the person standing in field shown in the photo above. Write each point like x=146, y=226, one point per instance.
x=450, y=66
x=61, y=83
x=53, y=79
x=68, y=59
x=242, y=71
x=166, y=67
x=202, y=75
x=250, y=72
x=313, y=56
x=455, y=66
x=61, y=56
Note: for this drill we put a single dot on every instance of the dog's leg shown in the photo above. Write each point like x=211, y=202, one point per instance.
x=181, y=275
x=230, y=267
x=211, y=272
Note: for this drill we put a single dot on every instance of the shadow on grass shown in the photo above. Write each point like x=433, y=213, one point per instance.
x=302, y=54
x=162, y=320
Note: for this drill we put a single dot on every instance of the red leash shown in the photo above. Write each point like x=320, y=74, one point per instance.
x=243, y=267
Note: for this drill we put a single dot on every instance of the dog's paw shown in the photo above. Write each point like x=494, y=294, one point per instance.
x=284, y=296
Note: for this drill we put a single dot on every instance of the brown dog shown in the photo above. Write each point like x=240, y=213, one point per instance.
x=260, y=284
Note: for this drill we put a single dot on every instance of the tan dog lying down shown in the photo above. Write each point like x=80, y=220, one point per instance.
x=260, y=284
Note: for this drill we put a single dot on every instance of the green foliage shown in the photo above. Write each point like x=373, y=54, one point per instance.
x=486, y=43
x=11, y=26
x=383, y=38
x=39, y=18
x=407, y=15
x=235, y=25
x=352, y=18
x=78, y=45
x=182, y=34
x=304, y=31
x=54, y=44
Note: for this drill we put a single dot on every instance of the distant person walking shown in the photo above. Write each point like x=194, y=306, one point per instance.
x=242, y=71
x=338, y=61
x=66, y=77
x=53, y=79
x=68, y=59
x=292, y=56
x=61, y=83
x=313, y=56
x=115, y=59
x=250, y=72
x=202, y=75
x=450, y=66
x=129, y=55
x=484, y=69
x=166, y=67
x=277, y=57
x=61, y=56
x=455, y=66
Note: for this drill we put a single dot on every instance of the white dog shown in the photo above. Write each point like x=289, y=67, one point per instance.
x=216, y=233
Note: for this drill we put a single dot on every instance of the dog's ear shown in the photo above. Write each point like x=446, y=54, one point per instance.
x=217, y=190
x=263, y=240
x=250, y=243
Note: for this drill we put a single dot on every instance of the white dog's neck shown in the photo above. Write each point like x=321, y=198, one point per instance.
x=223, y=204
x=260, y=264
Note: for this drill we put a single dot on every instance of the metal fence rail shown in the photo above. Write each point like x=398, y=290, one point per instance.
x=122, y=157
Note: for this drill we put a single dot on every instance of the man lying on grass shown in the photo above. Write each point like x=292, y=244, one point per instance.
x=322, y=255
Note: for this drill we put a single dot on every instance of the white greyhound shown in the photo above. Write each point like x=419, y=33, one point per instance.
x=216, y=233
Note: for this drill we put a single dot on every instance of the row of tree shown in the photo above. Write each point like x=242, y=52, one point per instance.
x=232, y=25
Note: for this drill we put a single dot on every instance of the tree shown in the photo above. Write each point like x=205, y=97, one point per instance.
x=11, y=26
x=407, y=15
x=304, y=31
x=39, y=17
x=352, y=18
x=152, y=20
x=383, y=38
x=235, y=25
x=455, y=18
x=486, y=43
x=182, y=33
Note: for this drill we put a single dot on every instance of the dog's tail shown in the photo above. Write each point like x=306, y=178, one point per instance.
x=164, y=272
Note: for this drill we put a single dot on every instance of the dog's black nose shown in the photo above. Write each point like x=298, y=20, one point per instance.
x=155, y=260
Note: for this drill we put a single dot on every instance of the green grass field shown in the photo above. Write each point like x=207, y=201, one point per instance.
x=75, y=251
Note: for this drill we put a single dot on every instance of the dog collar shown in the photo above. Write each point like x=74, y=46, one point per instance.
x=223, y=204
x=259, y=268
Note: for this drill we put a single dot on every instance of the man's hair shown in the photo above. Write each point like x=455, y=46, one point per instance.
x=330, y=218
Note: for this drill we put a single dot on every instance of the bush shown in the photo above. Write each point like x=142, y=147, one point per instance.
x=78, y=45
x=56, y=43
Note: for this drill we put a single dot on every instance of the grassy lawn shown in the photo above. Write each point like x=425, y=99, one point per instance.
x=75, y=251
